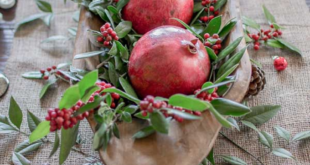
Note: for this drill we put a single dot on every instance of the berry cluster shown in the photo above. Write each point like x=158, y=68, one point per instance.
x=207, y=96
x=264, y=35
x=216, y=46
x=280, y=63
x=210, y=13
x=66, y=118
x=108, y=35
x=48, y=71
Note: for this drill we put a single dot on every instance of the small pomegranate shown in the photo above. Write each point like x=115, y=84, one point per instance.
x=166, y=61
x=147, y=15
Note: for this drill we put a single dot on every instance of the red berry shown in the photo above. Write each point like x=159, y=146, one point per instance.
x=219, y=41
x=219, y=46
x=206, y=36
x=67, y=123
x=257, y=43
x=106, y=43
x=255, y=37
x=157, y=104
x=109, y=38
x=280, y=33
x=49, y=69
x=208, y=44
x=99, y=39
x=256, y=47
x=150, y=109
x=91, y=99
x=215, y=36
x=42, y=71
x=48, y=118
x=110, y=30
x=79, y=117
x=216, y=13
x=116, y=38
x=73, y=120
x=53, y=128
x=271, y=26
x=216, y=52
x=197, y=113
x=107, y=25
x=113, y=34
x=115, y=96
x=208, y=1
x=280, y=63
x=211, y=17
x=215, y=47
x=61, y=113
x=102, y=29
x=150, y=99
x=144, y=104
x=45, y=77
x=105, y=34
x=113, y=105
x=54, y=67
x=59, y=120
x=265, y=38
x=53, y=114
x=211, y=8
x=275, y=34
x=86, y=114
x=144, y=113
x=67, y=116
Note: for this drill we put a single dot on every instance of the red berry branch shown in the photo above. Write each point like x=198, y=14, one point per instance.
x=216, y=46
x=108, y=35
x=66, y=118
x=149, y=104
x=209, y=9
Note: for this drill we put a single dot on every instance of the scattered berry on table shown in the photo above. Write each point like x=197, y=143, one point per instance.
x=280, y=63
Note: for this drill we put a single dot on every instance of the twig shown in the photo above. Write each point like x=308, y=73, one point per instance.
x=244, y=150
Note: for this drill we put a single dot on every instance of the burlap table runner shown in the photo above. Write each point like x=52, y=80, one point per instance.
x=289, y=88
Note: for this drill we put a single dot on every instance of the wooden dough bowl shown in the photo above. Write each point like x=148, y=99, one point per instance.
x=188, y=143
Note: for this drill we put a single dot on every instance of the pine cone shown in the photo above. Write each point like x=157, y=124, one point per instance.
x=258, y=81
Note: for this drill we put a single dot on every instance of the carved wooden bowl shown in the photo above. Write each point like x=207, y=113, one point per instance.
x=188, y=143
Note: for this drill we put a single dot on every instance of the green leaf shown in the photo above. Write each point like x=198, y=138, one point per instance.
x=283, y=133
x=68, y=139
x=46, y=87
x=19, y=159
x=227, y=73
x=219, y=4
x=55, y=38
x=44, y=6
x=127, y=87
x=159, y=122
x=33, y=121
x=33, y=75
x=6, y=126
x=126, y=116
x=234, y=60
x=183, y=115
x=275, y=43
x=63, y=65
x=230, y=108
x=262, y=114
x=234, y=123
x=268, y=15
x=227, y=29
x=249, y=124
x=250, y=22
x=122, y=50
x=70, y=97
x=281, y=152
x=208, y=84
x=266, y=138
x=109, y=99
x=15, y=113
x=140, y=116
x=41, y=131
x=112, y=74
x=113, y=51
x=88, y=81
x=29, y=19
x=89, y=92
x=48, y=19
x=112, y=9
x=26, y=147
x=210, y=157
x=214, y=26
x=233, y=160
x=121, y=3
x=289, y=46
x=109, y=17
x=228, y=50
x=122, y=94
x=256, y=63
x=211, y=53
x=147, y=131
x=91, y=105
x=188, y=102
x=98, y=137
x=115, y=130
x=301, y=136
x=131, y=109
x=72, y=31
x=123, y=28
x=188, y=28
x=197, y=15
x=56, y=145
x=221, y=119
x=76, y=16
x=89, y=54
x=215, y=85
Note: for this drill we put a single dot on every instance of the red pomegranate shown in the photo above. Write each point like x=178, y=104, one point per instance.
x=166, y=61
x=150, y=14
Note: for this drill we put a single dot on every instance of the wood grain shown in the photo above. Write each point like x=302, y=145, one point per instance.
x=188, y=143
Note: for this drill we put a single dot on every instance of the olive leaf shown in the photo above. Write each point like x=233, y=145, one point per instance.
x=41, y=131
x=289, y=46
x=197, y=15
x=230, y=108
x=283, y=133
x=188, y=28
x=281, y=152
x=121, y=3
x=207, y=85
x=131, y=109
x=122, y=50
x=6, y=126
x=56, y=145
x=275, y=43
x=207, y=88
x=115, y=130
x=219, y=4
x=92, y=105
x=113, y=51
x=123, y=28
x=33, y=75
x=140, y=116
x=113, y=76
x=250, y=125
x=210, y=157
x=46, y=87
x=181, y=114
x=99, y=136
x=127, y=87
x=15, y=113
x=301, y=136
x=88, y=81
x=70, y=97
x=213, y=26
x=89, y=54
x=122, y=94
x=55, y=38
x=211, y=53
x=48, y=19
x=229, y=49
x=268, y=15
x=144, y=132
x=188, y=102
x=226, y=74
x=33, y=121
x=256, y=63
x=250, y=22
x=227, y=28
x=233, y=160
x=112, y=9
x=68, y=139
x=30, y=19
x=126, y=116
x=221, y=119
x=159, y=122
x=266, y=138
x=19, y=159
x=262, y=114
x=109, y=17
x=234, y=123
x=76, y=16
x=72, y=31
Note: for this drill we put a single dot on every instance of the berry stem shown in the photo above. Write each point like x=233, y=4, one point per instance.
x=244, y=150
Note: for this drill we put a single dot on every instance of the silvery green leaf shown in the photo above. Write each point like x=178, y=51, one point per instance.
x=55, y=38
x=283, y=133
x=266, y=138
x=233, y=160
x=262, y=114
x=281, y=152
x=48, y=19
x=30, y=19
x=72, y=31
x=301, y=136
x=19, y=159
x=44, y=6
x=249, y=124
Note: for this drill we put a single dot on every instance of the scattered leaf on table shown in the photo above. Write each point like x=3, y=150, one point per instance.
x=233, y=160
x=15, y=113
x=262, y=114
x=281, y=152
x=33, y=121
x=46, y=87
x=283, y=133
x=301, y=136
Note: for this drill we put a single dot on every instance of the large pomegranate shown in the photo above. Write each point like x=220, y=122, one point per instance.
x=166, y=61
x=146, y=15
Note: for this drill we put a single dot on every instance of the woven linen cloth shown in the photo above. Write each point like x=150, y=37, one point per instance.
x=289, y=88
